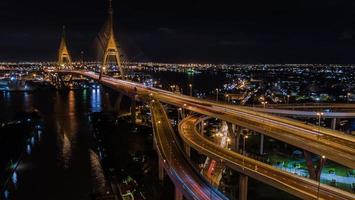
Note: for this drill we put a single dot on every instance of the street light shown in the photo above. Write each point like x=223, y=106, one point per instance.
x=322, y=160
x=244, y=139
x=226, y=98
x=319, y=114
x=216, y=94
x=179, y=113
x=288, y=99
x=264, y=103
x=190, y=85
x=348, y=95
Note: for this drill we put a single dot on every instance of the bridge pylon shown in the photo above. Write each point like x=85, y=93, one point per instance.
x=64, y=59
x=111, y=51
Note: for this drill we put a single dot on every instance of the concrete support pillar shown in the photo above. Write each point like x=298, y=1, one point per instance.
x=310, y=166
x=233, y=134
x=133, y=111
x=181, y=113
x=178, y=194
x=243, y=187
x=187, y=149
x=261, y=144
x=314, y=171
x=334, y=123
x=107, y=102
x=100, y=75
x=117, y=106
x=236, y=139
x=161, y=171
x=234, y=128
x=202, y=129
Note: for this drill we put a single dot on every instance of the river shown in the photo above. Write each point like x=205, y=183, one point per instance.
x=60, y=166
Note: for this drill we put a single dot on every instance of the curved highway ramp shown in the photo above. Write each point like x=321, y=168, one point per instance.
x=184, y=177
x=291, y=183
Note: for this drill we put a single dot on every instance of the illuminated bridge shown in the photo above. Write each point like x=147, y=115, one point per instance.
x=334, y=145
x=174, y=157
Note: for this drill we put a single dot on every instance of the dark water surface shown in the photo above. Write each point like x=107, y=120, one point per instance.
x=60, y=166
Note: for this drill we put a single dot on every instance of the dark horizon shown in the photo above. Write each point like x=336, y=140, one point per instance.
x=184, y=31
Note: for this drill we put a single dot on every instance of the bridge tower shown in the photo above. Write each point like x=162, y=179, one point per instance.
x=64, y=59
x=111, y=51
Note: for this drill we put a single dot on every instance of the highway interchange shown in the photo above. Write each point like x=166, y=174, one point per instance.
x=335, y=145
x=185, y=178
x=299, y=186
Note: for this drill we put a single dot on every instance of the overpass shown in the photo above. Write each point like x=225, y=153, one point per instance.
x=305, y=113
x=188, y=182
x=331, y=111
x=301, y=187
x=335, y=145
x=315, y=106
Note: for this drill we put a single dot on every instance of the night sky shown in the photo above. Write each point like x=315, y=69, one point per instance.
x=181, y=31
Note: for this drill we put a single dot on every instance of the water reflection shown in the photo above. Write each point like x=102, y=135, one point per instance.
x=63, y=158
x=39, y=134
x=84, y=95
x=66, y=128
x=95, y=99
x=6, y=194
x=7, y=96
x=14, y=178
x=28, y=149
x=28, y=104
x=71, y=102
x=66, y=152
x=97, y=173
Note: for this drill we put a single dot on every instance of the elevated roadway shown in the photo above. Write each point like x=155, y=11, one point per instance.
x=315, y=106
x=293, y=184
x=335, y=145
x=304, y=113
x=185, y=178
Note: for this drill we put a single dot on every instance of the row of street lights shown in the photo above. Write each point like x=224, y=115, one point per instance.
x=227, y=96
x=320, y=115
x=173, y=87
